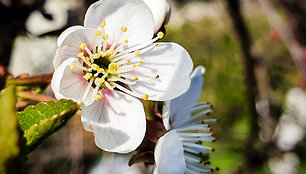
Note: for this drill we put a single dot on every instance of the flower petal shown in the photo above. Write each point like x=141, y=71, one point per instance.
x=172, y=64
x=117, y=120
x=63, y=53
x=115, y=163
x=184, y=102
x=169, y=155
x=70, y=84
x=133, y=14
x=75, y=36
x=161, y=12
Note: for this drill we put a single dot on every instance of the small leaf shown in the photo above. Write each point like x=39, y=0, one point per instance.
x=40, y=121
x=11, y=139
x=147, y=157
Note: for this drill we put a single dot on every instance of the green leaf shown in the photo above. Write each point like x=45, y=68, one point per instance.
x=11, y=139
x=40, y=121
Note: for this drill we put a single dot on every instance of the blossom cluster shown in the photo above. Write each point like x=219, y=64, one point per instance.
x=113, y=62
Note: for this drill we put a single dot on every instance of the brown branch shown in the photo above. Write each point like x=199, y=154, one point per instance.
x=33, y=96
x=257, y=88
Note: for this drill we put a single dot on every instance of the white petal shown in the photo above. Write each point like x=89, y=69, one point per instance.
x=115, y=163
x=169, y=155
x=188, y=99
x=172, y=64
x=75, y=36
x=161, y=12
x=117, y=120
x=70, y=84
x=133, y=14
x=63, y=53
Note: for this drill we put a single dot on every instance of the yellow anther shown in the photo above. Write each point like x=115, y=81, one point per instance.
x=102, y=24
x=94, y=66
x=123, y=29
x=83, y=46
x=113, y=87
x=160, y=34
x=111, y=51
x=103, y=54
x=96, y=56
x=145, y=97
x=98, y=97
x=134, y=66
x=135, y=78
x=126, y=41
x=119, y=76
x=88, y=76
x=100, y=80
x=87, y=59
x=156, y=44
x=113, y=67
x=100, y=70
x=157, y=76
x=72, y=66
x=137, y=53
x=98, y=33
x=91, y=128
x=105, y=36
x=128, y=60
x=140, y=62
x=81, y=54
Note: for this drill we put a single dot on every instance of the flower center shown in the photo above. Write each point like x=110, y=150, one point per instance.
x=107, y=63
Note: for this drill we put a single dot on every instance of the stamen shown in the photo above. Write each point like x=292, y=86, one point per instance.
x=140, y=62
x=109, y=86
x=72, y=66
x=135, y=78
x=88, y=76
x=98, y=33
x=126, y=41
x=113, y=67
x=99, y=80
x=87, y=89
x=100, y=70
x=160, y=35
x=87, y=59
x=111, y=51
x=102, y=25
x=137, y=53
x=123, y=29
x=105, y=36
x=157, y=76
x=83, y=46
x=134, y=66
x=98, y=97
x=94, y=66
x=96, y=56
x=145, y=97
x=156, y=44
x=103, y=54
x=81, y=54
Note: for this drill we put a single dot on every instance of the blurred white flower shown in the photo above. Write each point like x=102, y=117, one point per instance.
x=180, y=149
x=161, y=12
x=112, y=163
x=288, y=164
x=32, y=55
x=37, y=24
x=112, y=60
x=292, y=125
